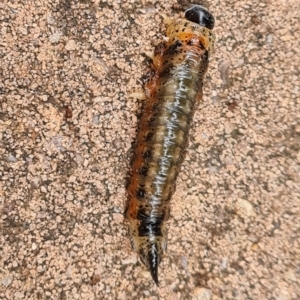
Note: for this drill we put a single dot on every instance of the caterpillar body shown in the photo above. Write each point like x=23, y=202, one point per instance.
x=172, y=92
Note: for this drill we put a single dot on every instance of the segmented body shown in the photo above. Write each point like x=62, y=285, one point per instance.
x=173, y=91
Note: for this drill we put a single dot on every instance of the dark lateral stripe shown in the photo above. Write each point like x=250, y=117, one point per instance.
x=149, y=228
x=173, y=49
x=143, y=216
x=150, y=159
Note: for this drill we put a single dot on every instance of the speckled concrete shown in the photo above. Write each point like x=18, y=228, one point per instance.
x=67, y=123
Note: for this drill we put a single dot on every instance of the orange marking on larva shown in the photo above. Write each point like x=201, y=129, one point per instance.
x=183, y=36
x=158, y=58
x=199, y=97
x=172, y=91
x=157, y=62
x=132, y=209
x=204, y=41
x=195, y=38
x=150, y=87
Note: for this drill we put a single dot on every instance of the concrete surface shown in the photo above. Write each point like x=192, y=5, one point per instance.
x=67, y=124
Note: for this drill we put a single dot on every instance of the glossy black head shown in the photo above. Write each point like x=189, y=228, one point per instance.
x=200, y=15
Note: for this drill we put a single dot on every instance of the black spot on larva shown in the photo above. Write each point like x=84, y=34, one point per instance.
x=147, y=154
x=155, y=106
x=151, y=121
x=149, y=136
x=201, y=46
x=169, y=196
x=141, y=193
x=173, y=49
x=167, y=70
x=142, y=215
x=159, y=49
x=157, y=109
x=143, y=171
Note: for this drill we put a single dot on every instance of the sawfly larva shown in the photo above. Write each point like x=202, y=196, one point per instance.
x=173, y=91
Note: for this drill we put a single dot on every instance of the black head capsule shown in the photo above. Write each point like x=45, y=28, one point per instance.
x=200, y=15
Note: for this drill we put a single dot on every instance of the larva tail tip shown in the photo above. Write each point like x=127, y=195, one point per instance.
x=153, y=260
x=153, y=265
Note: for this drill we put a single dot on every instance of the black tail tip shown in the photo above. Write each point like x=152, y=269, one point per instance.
x=200, y=15
x=153, y=262
x=154, y=275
